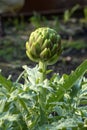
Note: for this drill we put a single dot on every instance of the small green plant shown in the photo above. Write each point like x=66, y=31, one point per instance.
x=36, y=20
x=74, y=44
x=19, y=24
x=85, y=13
x=68, y=13
x=39, y=103
x=56, y=23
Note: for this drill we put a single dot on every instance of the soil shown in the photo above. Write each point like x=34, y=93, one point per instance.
x=12, y=49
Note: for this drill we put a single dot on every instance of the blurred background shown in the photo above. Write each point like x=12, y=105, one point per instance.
x=18, y=18
x=27, y=7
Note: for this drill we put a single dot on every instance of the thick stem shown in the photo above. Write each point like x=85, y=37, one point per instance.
x=42, y=67
x=42, y=94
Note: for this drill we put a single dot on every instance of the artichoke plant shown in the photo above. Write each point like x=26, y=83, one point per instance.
x=44, y=45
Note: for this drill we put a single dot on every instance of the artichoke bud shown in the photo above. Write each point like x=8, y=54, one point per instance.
x=55, y=47
x=39, y=40
x=53, y=60
x=27, y=46
x=45, y=54
x=33, y=48
x=32, y=57
x=44, y=44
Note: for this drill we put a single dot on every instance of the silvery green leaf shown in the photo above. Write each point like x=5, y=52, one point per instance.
x=13, y=95
x=5, y=83
x=69, y=81
x=2, y=104
x=8, y=116
x=33, y=74
x=59, y=110
x=46, y=84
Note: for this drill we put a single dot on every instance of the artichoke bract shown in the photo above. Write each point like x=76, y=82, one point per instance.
x=44, y=45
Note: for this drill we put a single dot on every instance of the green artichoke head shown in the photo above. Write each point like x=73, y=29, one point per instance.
x=44, y=45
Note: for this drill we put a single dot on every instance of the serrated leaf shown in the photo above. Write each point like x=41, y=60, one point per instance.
x=6, y=83
x=2, y=105
x=69, y=81
x=33, y=74
x=73, y=78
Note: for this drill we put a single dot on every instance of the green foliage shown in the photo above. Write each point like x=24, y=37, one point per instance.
x=19, y=24
x=37, y=20
x=85, y=13
x=56, y=23
x=64, y=100
x=68, y=13
x=10, y=48
x=77, y=44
